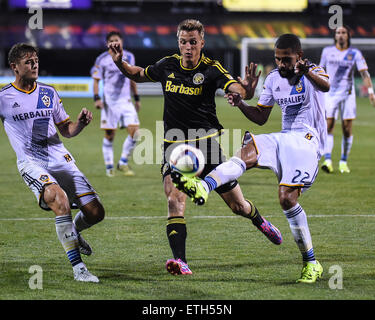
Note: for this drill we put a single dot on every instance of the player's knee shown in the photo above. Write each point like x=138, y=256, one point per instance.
x=238, y=208
x=94, y=212
x=98, y=213
x=330, y=125
x=347, y=131
x=56, y=199
x=248, y=155
x=134, y=132
x=110, y=135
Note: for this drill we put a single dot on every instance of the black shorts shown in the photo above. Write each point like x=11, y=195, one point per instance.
x=213, y=155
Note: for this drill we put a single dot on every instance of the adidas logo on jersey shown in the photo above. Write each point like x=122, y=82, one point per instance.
x=171, y=76
x=16, y=105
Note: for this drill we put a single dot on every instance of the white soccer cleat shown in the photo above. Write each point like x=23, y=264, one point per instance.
x=82, y=274
x=110, y=173
x=84, y=247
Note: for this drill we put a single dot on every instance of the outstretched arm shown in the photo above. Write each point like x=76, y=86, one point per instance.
x=70, y=129
x=134, y=89
x=134, y=73
x=321, y=82
x=257, y=114
x=368, y=83
x=246, y=87
x=98, y=103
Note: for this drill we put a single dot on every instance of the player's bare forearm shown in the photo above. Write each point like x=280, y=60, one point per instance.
x=366, y=78
x=236, y=88
x=319, y=81
x=97, y=101
x=133, y=87
x=368, y=84
x=134, y=73
x=96, y=86
x=70, y=129
x=256, y=114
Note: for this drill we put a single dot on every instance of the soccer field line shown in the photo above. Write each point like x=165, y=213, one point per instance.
x=203, y=217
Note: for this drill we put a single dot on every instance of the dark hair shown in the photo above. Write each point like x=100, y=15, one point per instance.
x=287, y=41
x=348, y=30
x=113, y=33
x=19, y=50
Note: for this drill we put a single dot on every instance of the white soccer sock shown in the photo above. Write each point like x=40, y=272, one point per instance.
x=127, y=148
x=67, y=235
x=346, y=146
x=107, y=149
x=227, y=171
x=80, y=222
x=298, y=225
x=329, y=146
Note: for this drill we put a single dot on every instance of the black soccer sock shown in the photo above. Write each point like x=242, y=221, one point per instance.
x=176, y=233
x=254, y=215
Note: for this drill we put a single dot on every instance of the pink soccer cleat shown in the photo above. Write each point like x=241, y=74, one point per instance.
x=176, y=267
x=270, y=231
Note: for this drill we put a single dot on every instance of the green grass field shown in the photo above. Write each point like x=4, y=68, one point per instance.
x=230, y=259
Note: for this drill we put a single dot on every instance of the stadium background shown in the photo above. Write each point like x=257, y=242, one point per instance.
x=74, y=37
x=230, y=260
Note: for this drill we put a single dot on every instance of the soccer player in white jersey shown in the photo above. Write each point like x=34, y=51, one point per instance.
x=340, y=60
x=293, y=154
x=116, y=107
x=30, y=110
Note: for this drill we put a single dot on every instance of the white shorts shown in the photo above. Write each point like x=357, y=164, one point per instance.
x=346, y=104
x=292, y=156
x=70, y=179
x=120, y=113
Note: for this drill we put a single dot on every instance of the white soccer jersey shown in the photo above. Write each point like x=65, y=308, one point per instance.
x=29, y=120
x=340, y=68
x=302, y=105
x=116, y=85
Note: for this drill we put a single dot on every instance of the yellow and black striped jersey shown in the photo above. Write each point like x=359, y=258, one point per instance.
x=189, y=94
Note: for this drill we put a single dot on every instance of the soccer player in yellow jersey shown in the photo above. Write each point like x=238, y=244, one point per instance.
x=189, y=81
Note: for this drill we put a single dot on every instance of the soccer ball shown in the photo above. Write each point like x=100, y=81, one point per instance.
x=187, y=160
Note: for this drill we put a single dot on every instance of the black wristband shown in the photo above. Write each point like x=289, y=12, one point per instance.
x=96, y=97
x=136, y=97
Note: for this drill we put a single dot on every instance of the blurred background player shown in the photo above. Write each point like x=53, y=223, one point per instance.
x=117, y=108
x=297, y=86
x=30, y=110
x=339, y=61
x=189, y=83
